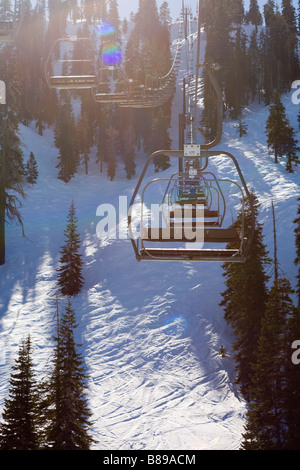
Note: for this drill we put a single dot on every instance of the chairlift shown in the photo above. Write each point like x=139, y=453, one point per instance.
x=56, y=75
x=154, y=93
x=10, y=23
x=111, y=86
x=188, y=223
x=6, y=31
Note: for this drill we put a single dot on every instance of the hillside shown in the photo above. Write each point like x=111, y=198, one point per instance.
x=150, y=333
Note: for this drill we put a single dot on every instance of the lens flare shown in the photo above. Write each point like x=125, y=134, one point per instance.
x=106, y=29
x=111, y=54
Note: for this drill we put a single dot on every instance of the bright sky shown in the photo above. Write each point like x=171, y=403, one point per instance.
x=127, y=6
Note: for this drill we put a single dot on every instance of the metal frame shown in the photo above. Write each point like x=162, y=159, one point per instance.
x=10, y=24
x=213, y=235
x=7, y=31
x=70, y=82
x=208, y=187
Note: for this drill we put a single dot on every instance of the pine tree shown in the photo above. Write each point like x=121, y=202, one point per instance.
x=291, y=47
x=241, y=128
x=266, y=418
x=269, y=12
x=114, y=20
x=217, y=23
x=31, y=169
x=254, y=67
x=292, y=158
x=292, y=389
x=70, y=279
x=218, y=27
x=31, y=53
x=68, y=412
x=66, y=142
x=83, y=139
x=18, y=431
x=128, y=151
x=11, y=156
x=235, y=80
x=148, y=56
x=88, y=7
x=165, y=14
x=148, y=48
x=254, y=16
x=280, y=134
x=57, y=21
x=111, y=150
x=209, y=118
x=269, y=409
x=280, y=52
x=297, y=243
x=244, y=301
x=101, y=9
x=158, y=137
x=236, y=11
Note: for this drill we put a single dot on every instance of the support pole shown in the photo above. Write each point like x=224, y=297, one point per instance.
x=197, y=59
x=182, y=117
x=2, y=195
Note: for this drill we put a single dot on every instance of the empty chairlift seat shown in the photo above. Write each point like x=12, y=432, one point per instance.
x=71, y=73
x=192, y=226
x=72, y=81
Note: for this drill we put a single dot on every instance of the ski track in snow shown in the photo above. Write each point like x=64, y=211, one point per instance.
x=150, y=332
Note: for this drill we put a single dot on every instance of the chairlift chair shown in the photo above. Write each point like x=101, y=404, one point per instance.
x=10, y=23
x=6, y=31
x=192, y=223
x=111, y=86
x=69, y=80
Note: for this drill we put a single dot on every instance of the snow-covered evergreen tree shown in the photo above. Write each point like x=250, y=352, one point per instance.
x=70, y=279
x=68, y=412
x=128, y=151
x=11, y=156
x=280, y=134
x=297, y=243
x=254, y=16
x=18, y=431
x=66, y=142
x=31, y=169
x=112, y=135
x=292, y=386
x=244, y=302
x=266, y=418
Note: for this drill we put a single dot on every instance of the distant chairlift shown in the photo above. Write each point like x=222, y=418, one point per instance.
x=152, y=94
x=112, y=86
x=71, y=80
x=6, y=31
x=10, y=23
x=134, y=89
x=131, y=93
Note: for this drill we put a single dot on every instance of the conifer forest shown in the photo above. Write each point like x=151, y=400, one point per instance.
x=150, y=227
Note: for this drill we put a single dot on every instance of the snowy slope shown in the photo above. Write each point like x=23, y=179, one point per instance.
x=150, y=333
